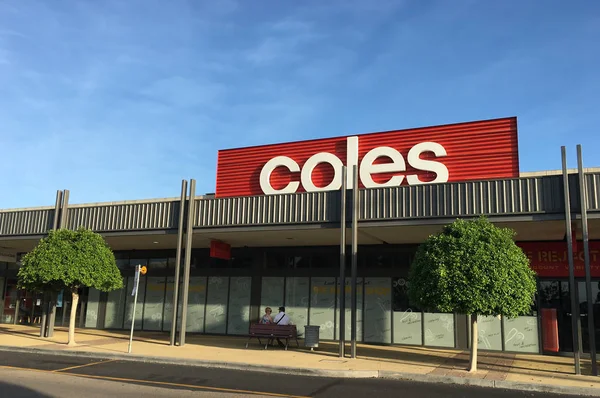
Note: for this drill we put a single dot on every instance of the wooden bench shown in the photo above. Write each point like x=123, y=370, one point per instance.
x=272, y=332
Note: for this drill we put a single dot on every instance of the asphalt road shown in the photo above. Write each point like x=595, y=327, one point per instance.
x=40, y=375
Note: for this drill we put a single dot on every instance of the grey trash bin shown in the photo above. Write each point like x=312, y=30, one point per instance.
x=311, y=336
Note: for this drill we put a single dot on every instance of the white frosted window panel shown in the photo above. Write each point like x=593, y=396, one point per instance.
x=168, y=310
x=197, y=304
x=115, y=308
x=154, y=303
x=297, y=296
x=489, y=331
x=139, y=308
x=239, y=305
x=216, y=304
x=348, y=313
x=91, y=311
x=271, y=294
x=322, y=309
x=378, y=310
x=521, y=334
x=439, y=329
x=408, y=327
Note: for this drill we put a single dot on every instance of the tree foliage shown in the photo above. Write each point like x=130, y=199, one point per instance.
x=68, y=259
x=472, y=267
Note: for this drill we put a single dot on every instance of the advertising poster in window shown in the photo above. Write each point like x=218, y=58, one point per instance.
x=378, y=310
x=216, y=304
x=239, y=305
x=322, y=310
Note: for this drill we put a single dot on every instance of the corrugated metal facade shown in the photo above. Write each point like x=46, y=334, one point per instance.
x=519, y=196
x=314, y=207
x=26, y=222
x=475, y=151
x=123, y=217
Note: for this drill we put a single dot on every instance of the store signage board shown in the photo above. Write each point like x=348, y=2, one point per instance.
x=458, y=152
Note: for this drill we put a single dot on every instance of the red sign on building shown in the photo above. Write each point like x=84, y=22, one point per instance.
x=220, y=250
x=458, y=152
x=550, y=259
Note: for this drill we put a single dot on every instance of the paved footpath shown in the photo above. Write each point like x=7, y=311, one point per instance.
x=500, y=370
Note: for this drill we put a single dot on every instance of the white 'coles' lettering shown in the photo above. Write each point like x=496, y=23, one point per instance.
x=367, y=168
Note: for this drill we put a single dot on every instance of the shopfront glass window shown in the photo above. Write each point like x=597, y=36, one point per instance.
x=154, y=302
x=239, y=305
x=156, y=264
x=439, y=329
x=325, y=261
x=408, y=319
x=521, y=334
x=275, y=261
x=297, y=296
x=139, y=308
x=122, y=263
x=378, y=310
x=216, y=304
x=348, y=314
x=115, y=308
x=322, y=310
x=197, y=304
x=489, y=332
x=271, y=294
x=137, y=261
x=91, y=310
x=298, y=262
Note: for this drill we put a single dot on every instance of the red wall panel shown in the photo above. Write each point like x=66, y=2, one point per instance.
x=475, y=151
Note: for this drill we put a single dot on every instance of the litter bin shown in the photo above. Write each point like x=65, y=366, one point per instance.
x=311, y=336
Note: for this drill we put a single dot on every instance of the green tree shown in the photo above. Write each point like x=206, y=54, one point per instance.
x=70, y=260
x=474, y=268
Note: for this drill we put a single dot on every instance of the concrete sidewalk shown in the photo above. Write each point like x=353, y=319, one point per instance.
x=501, y=370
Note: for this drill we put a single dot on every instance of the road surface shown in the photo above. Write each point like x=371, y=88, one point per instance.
x=40, y=375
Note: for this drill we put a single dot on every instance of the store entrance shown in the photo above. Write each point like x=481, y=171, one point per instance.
x=554, y=295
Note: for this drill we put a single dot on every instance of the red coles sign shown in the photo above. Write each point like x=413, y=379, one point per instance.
x=220, y=250
x=457, y=152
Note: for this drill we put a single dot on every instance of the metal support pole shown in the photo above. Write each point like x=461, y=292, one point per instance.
x=187, y=260
x=574, y=312
x=50, y=306
x=51, y=315
x=342, y=353
x=586, y=254
x=137, y=286
x=64, y=209
x=355, y=197
x=178, y=260
x=57, y=206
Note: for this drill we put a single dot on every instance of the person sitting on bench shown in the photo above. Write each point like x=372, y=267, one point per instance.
x=282, y=319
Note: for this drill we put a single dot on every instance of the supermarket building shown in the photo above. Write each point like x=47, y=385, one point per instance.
x=270, y=236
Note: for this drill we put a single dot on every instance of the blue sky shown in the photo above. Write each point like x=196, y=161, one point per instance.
x=119, y=100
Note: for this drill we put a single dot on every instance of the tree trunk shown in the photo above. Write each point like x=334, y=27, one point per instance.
x=474, y=338
x=74, y=303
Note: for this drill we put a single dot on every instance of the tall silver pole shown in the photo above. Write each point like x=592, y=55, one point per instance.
x=187, y=260
x=137, y=286
x=354, y=259
x=178, y=260
x=574, y=312
x=586, y=253
x=342, y=353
